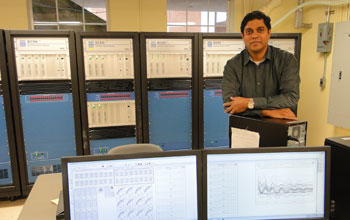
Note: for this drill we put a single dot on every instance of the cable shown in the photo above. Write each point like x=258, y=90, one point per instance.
x=323, y=79
x=310, y=4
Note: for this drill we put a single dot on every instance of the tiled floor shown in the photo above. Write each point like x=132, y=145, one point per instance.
x=9, y=210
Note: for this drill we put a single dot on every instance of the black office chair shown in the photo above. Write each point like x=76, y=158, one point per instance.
x=135, y=148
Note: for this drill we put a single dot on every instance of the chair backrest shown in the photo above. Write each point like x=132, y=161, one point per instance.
x=135, y=148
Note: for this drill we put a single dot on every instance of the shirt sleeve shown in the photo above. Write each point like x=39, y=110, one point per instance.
x=252, y=113
x=289, y=81
x=231, y=84
x=230, y=81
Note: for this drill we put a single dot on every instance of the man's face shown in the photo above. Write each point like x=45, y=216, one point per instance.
x=256, y=35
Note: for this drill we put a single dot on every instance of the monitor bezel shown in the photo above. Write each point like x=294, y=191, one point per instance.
x=66, y=160
x=325, y=149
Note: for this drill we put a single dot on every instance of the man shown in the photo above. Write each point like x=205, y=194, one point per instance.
x=262, y=80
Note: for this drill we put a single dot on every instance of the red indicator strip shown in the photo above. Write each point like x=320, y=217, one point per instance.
x=173, y=94
x=116, y=96
x=218, y=92
x=49, y=98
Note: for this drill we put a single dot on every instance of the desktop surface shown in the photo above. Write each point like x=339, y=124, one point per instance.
x=38, y=204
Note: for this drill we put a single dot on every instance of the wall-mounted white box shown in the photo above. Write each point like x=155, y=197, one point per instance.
x=284, y=44
x=108, y=59
x=111, y=113
x=42, y=58
x=216, y=53
x=169, y=58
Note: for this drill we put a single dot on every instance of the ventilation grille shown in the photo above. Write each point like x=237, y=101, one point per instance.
x=4, y=174
x=48, y=98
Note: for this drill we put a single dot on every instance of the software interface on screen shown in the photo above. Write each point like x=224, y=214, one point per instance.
x=266, y=185
x=145, y=189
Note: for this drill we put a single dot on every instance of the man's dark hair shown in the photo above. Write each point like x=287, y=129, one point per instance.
x=255, y=15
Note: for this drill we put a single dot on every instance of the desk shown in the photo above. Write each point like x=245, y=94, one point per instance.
x=38, y=205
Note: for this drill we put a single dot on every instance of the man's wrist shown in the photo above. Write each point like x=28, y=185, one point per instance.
x=251, y=103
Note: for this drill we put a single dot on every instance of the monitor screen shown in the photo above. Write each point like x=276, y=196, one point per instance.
x=135, y=187
x=279, y=183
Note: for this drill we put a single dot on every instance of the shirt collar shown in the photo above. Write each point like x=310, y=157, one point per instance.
x=246, y=57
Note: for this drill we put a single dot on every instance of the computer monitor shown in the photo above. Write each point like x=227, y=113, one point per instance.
x=165, y=185
x=266, y=183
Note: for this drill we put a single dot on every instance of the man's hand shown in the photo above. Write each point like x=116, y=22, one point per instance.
x=284, y=113
x=237, y=105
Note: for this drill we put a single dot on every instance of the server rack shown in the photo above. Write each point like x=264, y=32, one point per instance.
x=44, y=91
x=214, y=50
x=169, y=73
x=286, y=41
x=9, y=173
x=110, y=90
